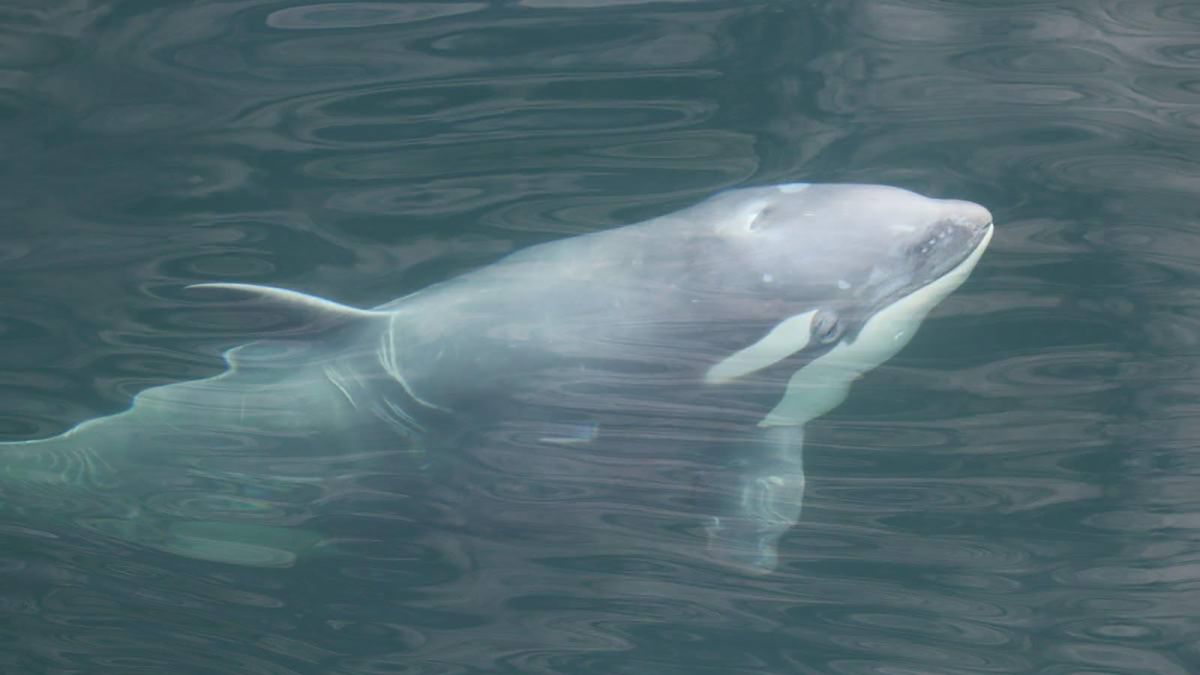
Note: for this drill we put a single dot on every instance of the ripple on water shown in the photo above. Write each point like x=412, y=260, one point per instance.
x=1023, y=506
x=326, y=16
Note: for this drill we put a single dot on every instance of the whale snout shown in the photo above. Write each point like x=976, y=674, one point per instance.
x=968, y=215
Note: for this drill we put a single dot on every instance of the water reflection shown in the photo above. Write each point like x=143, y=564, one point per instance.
x=1013, y=494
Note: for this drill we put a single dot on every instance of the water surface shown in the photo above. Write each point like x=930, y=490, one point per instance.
x=1015, y=493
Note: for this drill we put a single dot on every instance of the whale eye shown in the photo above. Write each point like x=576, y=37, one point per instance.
x=759, y=220
x=826, y=327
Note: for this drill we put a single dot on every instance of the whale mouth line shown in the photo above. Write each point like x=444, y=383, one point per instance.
x=956, y=270
x=957, y=267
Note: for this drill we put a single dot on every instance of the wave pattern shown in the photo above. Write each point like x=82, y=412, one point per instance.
x=1015, y=493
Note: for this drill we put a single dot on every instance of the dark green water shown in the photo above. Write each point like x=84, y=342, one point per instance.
x=1015, y=493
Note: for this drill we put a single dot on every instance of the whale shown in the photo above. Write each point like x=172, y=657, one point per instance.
x=704, y=340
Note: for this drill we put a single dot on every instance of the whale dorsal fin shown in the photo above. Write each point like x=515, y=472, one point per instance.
x=318, y=313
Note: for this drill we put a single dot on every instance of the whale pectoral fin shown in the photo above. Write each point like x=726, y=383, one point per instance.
x=316, y=314
x=765, y=504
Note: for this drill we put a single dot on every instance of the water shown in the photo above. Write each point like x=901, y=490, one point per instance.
x=1014, y=493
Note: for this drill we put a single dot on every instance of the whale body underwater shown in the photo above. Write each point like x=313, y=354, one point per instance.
x=703, y=340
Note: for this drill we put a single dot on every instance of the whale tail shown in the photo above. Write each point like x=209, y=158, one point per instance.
x=226, y=469
x=61, y=487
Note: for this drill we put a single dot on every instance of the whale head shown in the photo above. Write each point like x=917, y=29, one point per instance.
x=829, y=281
x=843, y=273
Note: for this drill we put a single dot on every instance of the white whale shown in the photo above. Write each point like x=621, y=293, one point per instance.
x=715, y=333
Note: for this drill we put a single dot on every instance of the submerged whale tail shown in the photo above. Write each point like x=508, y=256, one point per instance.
x=226, y=468
x=65, y=487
